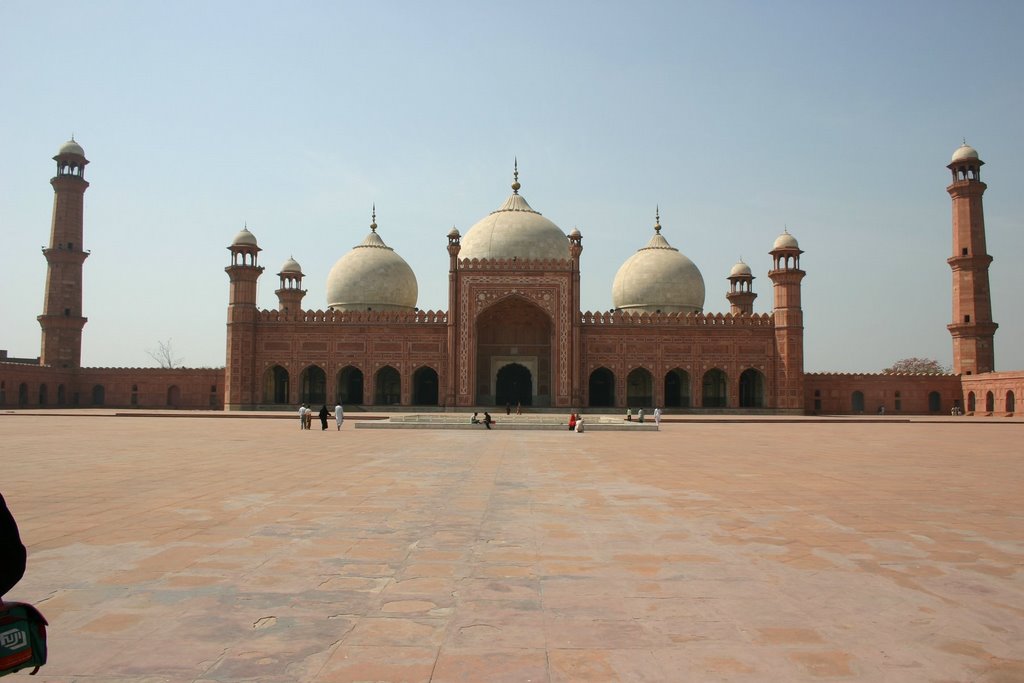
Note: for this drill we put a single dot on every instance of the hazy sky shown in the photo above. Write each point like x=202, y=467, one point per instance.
x=834, y=119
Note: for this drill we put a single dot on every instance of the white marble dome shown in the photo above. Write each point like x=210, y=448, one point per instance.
x=515, y=230
x=964, y=152
x=244, y=238
x=372, y=277
x=71, y=147
x=785, y=241
x=740, y=269
x=658, y=279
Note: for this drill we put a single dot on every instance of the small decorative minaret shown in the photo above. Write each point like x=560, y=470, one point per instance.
x=789, y=322
x=741, y=289
x=576, y=378
x=289, y=296
x=62, y=319
x=454, y=247
x=972, y=328
x=241, y=386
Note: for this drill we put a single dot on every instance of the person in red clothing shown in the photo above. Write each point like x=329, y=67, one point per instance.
x=12, y=551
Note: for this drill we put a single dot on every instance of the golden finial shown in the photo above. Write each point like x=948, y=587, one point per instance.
x=657, y=219
x=373, y=218
x=515, y=176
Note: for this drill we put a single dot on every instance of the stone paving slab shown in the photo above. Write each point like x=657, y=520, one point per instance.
x=217, y=551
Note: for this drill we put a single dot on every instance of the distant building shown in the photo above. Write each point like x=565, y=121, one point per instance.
x=513, y=332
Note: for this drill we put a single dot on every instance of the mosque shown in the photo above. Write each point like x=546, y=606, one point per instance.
x=513, y=333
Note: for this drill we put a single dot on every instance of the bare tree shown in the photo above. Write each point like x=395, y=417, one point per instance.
x=164, y=355
x=917, y=366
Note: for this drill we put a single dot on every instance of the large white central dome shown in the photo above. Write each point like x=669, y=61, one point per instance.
x=515, y=231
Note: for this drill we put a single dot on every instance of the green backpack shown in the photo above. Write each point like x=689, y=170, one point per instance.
x=22, y=638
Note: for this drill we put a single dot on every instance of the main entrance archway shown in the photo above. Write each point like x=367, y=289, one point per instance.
x=514, y=331
x=514, y=385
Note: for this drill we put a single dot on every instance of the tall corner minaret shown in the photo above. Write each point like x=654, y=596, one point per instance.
x=62, y=319
x=741, y=289
x=972, y=328
x=289, y=296
x=241, y=384
x=789, y=321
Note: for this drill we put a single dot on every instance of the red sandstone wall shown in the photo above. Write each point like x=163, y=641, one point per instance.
x=833, y=394
x=189, y=388
x=1006, y=389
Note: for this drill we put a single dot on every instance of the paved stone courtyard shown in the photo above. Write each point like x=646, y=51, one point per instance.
x=194, y=549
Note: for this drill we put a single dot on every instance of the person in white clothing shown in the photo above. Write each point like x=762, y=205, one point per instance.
x=657, y=416
x=302, y=416
x=579, y=424
x=339, y=415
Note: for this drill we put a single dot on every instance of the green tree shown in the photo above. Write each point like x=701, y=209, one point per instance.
x=917, y=366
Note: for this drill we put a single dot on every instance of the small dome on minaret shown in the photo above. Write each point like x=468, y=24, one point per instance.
x=785, y=241
x=244, y=238
x=964, y=152
x=291, y=266
x=71, y=147
x=740, y=269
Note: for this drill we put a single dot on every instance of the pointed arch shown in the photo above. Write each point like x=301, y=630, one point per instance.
x=350, y=386
x=751, y=389
x=387, y=387
x=640, y=388
x=601, y=388
x=715, y=389
x=424, y=386
x=276, y=385
x=677, y=388
x=313, y=385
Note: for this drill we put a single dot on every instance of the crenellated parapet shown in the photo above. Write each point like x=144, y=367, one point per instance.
x=355, y=317
x=677, y=318
x=515, y=264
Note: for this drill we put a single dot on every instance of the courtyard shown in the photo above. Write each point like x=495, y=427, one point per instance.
x=224, y=548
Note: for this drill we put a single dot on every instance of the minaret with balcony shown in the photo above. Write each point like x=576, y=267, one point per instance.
x=62, y=320
x=973, y=329
x=786, y=277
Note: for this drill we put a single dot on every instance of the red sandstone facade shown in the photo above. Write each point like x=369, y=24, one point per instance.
x=513, y=333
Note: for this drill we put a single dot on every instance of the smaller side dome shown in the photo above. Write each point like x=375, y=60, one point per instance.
x=454, y=233
x=575, y=234
x=244, y=238
x=291, y=266
x=785, y=241
x=964, y=152
x=740, y=269
x=71, y=147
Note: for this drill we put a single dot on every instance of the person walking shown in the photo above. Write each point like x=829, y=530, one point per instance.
x=302, y=416
x=579, y=424
x=657, y=416
x=487, y=420
x=323, y=415
x=640, y=415
x=12, y=551
x=572, y=421
x=339, y=415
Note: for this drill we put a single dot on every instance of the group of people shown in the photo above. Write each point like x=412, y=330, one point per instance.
x=575, y=422
x=640, y=415
x=487, y=420
x=306, y=416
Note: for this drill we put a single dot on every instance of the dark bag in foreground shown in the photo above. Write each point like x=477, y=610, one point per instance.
x=22, y=638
